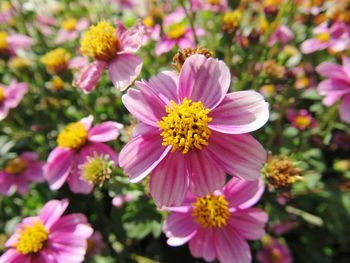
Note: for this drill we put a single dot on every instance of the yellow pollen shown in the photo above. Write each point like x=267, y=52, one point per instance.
x=56, y=60
x=275, y=255
x=211, y=211
x=214, y=2
x=73, y=136
x=97, y=169
x=57, y=83
x=16, y=166
x=302, y=121
x=186, y=126
x=3, y=41
x=69, y=24
x=32, y=238
x=149, y=21
x=272, y=2
x=176, y=31
x=2, y=94
x=231, y=21
x=323, y=37
x=100, y=42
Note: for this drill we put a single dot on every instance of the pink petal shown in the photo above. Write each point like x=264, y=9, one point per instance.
x=89, y=76
x=78, y=185
x=333, y=89
x=19, y=41
x=242, y=194
x=75, y=223
x=165, y=84
x=230, y=247
x=240, y=112
x=333, y=71
x=87, y=121
x=249, y=223
x=100, y=149
x=142, y=154
x=83, y=24
x=205, y=80
x=52, y=211
x=10, y=256
x=124, y=69
x=15, y=93
x=312, y=45
x=344, y=109
x=164, y=45
x=104, y=132
x=131, y=40
x=34, y=171
x=78, y=63
x=58, y=167
x=239, y=155
x=205, y=175
x=179, y=228
x=203, y=244
x=170, y=180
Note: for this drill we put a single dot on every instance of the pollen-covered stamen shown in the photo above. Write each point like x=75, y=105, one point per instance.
x=69, y=24
x=73, y=136
x=323, y=37
x=16, y=166
x=186, y=126
x=2, y=94
x=211, y=211
x=97, y=169
x=176, y=31
x=231, y=21
x=100, y=42
x=32, y=238
x=3, y=41
x=56, y=60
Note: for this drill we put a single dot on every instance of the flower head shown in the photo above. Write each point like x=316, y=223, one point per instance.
x=181, y=55
x=56, y=60
x=274, y=251
x=11, y=43
x=231, y=21
x=97, y=169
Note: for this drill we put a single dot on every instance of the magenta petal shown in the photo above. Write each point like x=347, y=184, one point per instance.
x=89, y=76
x=52, y=211
x=124, y=69
x=333, y=89
x=205, y=175
x=74, y=223
x=165, y=84
x=58, y=167
x=142, y=154
x=131, y=40
x=231, y=247
x=87, y=122
x=10, y=256
x=104, y=132
x=100, y=149
x=164, y=45
x=239, y=155
x=344, y=109
x=203, y=244
x=179, y=228
x=78, y=185
x=170, y=180
x=240, y=112
x=331, y=70
x=312, y=45
x=16, y=41
x=15, y=93
x=249, y=223
x=205, y=80
x=242, y=194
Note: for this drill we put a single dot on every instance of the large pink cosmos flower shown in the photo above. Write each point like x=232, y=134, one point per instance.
x=336, y=38
x=336, y=86
x=11, y=43
x=218, y=225
x=49, y=237
x=111, y=49
x=20, y=172
x=76, y=142
x=192, y=132
x=11, y=96
x=177, y=33
x=70, y=29
x=274, y=251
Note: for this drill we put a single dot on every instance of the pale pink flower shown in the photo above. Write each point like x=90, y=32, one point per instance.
x=128, y=4
x=336, y=86
x=282, y=34
x=115, y=54
x=274, y=251
x=11, y=96
x=76, y=142
x=191, y=132
x=11, y=43
x=45, y=24
x=211, y=5
x=335, y=37
x=20, y=172
x=71, y=29
x=218, y=225
x=120, y=200
x=49, y=237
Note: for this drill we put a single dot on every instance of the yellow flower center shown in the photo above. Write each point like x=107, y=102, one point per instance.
x=69, y=24
x=176, y=31
x=186, y=126
x=73, y=136
x=97, y=169
x=56, y=60
x=272, y=2
x=32, y=238
x=231, y=20
x=100, y=41
x=276, y=255
x=16, y=166
x=302, y=121
x=2, y=94
x=19, y=63
x=149, y=21
x=3, y=41
x=214, y=2
x=211, y=211
x=57, y=83
x=323, y=37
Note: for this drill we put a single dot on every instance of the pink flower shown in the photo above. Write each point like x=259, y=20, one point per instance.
x=49, y=237
x=119, y=200
x=70, y=29
x=211, y=5
x=128, y=4
x=11, y=43
x=7, y=12
x=77, y=142
x=11, y=96
x=274, y=251
x=191, y=132
x=282, y=34
x=336, y=86
x=176, y=33
x=95, y=244
x=20, y=172
x=300, y=119
x=45, y=24
x=336, y=38
x=218, y=225
x=113, y=49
